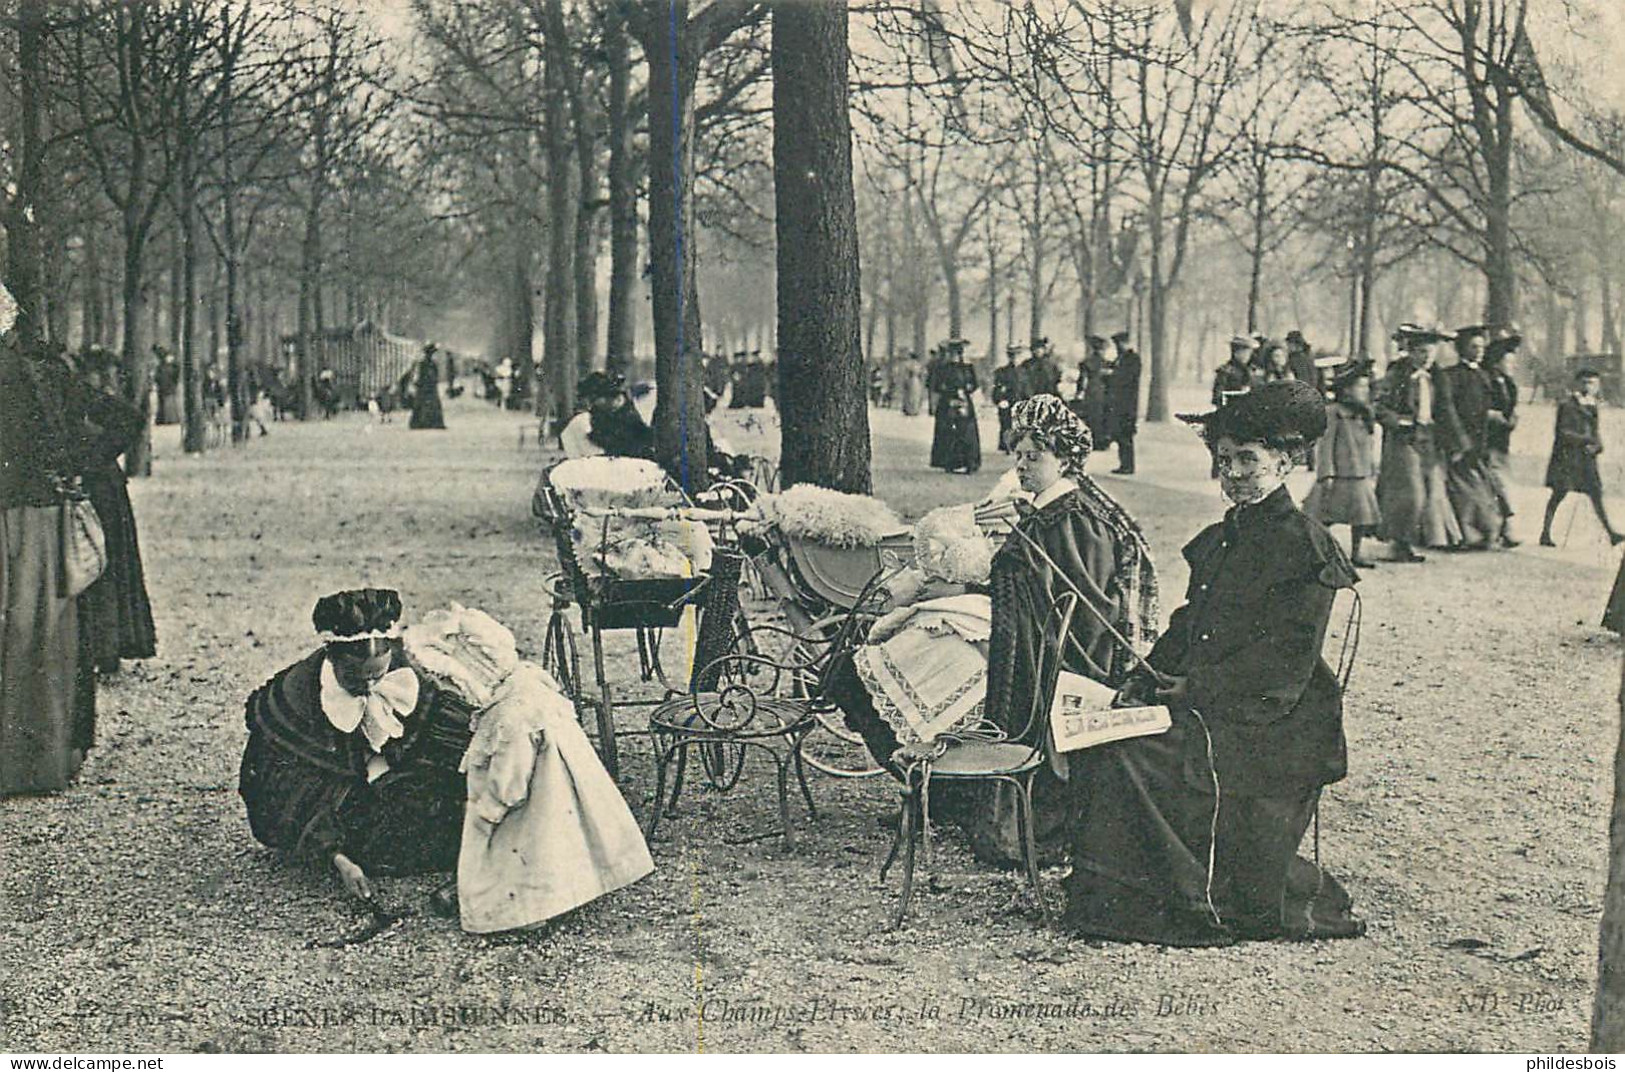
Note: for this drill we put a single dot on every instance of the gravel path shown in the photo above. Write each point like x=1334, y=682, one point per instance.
x=140, y=915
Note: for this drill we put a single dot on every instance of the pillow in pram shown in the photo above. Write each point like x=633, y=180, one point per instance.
x=836, y=518
x=605, y=482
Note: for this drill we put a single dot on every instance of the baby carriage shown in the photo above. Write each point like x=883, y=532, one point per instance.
x=634, y=554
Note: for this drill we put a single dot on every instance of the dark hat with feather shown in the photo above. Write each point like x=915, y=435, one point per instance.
x=1284, y=414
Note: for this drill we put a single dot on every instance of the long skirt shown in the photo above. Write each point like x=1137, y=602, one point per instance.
x=1412, y=493
x=1499, y=465
x=1344, y=500
x=1614, y=617
x=956, y=442
x=426, y=411
x=1472, y=499
x=47, y=696
x=1141, y=846
x=116, y=611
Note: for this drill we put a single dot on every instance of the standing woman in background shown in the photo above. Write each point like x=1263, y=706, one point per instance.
x=426, y=412
x=47, y=693
x=115, y=609
x=956, y=443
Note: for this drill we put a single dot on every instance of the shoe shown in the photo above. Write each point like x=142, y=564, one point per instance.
x=1481, y=545
x=1616, y=538
x=1509, y=543
x=443, y=902
x=1363, y=563
x=1546, y=540
x=1408, y=555
x=1123, y=472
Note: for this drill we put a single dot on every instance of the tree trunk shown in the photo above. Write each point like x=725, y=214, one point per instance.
x=558, y=360
x=1035, y=237
x=825, y=424
x=681, y=439
x=1608, y=1008
x=1157, y=316
x=135, y=358
x=585, y=258
x=623, y=207
x=309, y=260
x=22, y=226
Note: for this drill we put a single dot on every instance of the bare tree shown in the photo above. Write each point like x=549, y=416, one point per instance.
x=821, y=387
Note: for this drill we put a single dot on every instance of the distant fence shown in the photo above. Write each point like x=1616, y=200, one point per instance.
x=365, y=361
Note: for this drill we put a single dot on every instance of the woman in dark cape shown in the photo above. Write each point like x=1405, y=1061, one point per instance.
x=1190, y=837
x=115, y=608
x=956, y=442
x=352, y=760
x=426, y=412
x=1074, y=538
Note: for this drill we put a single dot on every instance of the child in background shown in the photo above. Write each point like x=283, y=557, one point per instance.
x=1345, y=493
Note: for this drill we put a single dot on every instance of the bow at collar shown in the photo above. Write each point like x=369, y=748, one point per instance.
x=378, y=713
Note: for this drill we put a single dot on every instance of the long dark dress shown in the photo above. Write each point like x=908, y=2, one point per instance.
x=956, y=443
x=47, y=682
x=1576, y=442
x=115, y=609
x=1260, y=734
x=1462, y=409
x=426, y=412
x=305, y=784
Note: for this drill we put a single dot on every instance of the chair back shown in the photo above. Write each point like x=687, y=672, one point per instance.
x=1051, y=660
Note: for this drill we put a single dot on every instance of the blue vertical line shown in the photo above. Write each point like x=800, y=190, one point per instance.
x=682, y=274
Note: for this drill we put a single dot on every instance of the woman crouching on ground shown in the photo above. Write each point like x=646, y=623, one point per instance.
x=352, y=759
x=1191, y=837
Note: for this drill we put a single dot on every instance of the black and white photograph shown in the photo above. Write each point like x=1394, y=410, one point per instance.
x=811, y=526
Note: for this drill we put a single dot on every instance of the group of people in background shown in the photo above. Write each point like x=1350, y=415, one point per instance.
x=1106, y=397
x=63, y=425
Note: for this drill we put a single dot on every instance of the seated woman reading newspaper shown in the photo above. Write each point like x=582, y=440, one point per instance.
x=1190, y=837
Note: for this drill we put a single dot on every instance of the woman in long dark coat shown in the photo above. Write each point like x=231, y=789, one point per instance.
x=47, y=680
x=352, y=759
x=956, y=442
x=1576, y=442
x=426, y=412
x=115, y=608
x=1190, y=837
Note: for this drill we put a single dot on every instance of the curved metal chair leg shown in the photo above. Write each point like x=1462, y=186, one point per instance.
x=801, y=776
x=681, y=747
x=783, y=766
x=663, y=753
x=1029, y=840
x=906, y=803
x=606, y=709
x=908, y=864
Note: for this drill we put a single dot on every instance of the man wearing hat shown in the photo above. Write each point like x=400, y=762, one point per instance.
x=1189, y=837
x=1094, y=383
x=1039, y=371
x=1300, y=359
x=1123, y=403
x=1234, y=378
x=1415, y=508
x=1009, y=387
x=1462, y=413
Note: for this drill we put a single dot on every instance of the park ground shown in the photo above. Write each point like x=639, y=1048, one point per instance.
x=139, y=915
